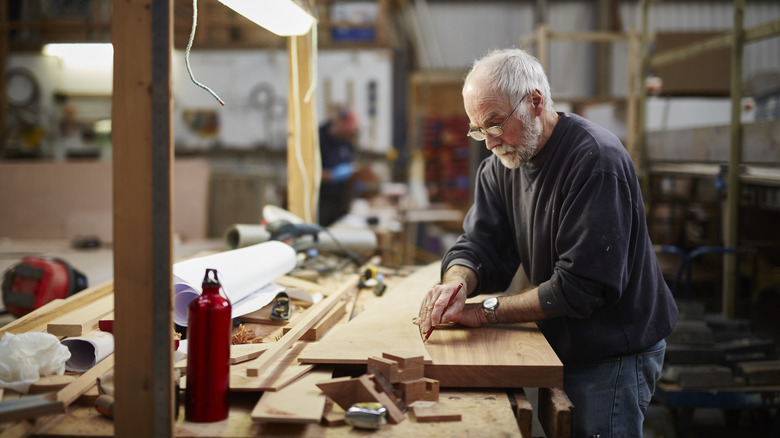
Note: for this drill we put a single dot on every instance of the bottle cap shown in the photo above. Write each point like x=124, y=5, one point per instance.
x=210, y=279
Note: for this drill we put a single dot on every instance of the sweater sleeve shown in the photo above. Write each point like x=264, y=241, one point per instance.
x=486, y=245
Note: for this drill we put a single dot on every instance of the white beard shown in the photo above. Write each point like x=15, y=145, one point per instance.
x=515, y=156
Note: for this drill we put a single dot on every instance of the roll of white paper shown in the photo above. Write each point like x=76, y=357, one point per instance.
x=246, y=275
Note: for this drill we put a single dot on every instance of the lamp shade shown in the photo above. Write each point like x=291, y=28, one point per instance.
x=282, y=17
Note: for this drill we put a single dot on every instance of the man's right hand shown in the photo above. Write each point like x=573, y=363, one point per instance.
x=432, y=310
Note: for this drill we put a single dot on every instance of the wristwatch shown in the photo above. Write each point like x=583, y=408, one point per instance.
x=489, y=306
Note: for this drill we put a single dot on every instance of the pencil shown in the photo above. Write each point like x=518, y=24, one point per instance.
x=452, y=297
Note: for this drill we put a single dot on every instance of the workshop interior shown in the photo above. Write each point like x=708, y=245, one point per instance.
x=220, y=216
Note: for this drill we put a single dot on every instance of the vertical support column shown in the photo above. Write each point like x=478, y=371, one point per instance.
x=142, y=174
x=731, y=238
x=5, y=37
x=632, y=103
x=304, y=164
x=641, y=156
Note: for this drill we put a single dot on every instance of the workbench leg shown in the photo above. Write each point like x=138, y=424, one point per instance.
x=523, y=411
x=555, y=413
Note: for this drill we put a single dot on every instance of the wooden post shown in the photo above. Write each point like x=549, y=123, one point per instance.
x=142, y=157
x=4, y=42
x=640, y=161
x=632, y=102
x=304, y=164
x=731, y=238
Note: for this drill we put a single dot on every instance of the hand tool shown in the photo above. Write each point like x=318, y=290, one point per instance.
x=369, y=415
x=452, y=297
x=35, y=281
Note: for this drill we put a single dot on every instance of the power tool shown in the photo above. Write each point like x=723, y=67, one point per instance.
x=35, y=281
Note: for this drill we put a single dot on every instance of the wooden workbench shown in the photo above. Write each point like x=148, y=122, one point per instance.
x=499, y=407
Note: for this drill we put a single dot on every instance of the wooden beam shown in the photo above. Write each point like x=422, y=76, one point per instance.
x=142, y=157
x=313, y=314
x=755, y=33
x=731, y=232
x=304, y=164
x=38, y=319
x=82, y=320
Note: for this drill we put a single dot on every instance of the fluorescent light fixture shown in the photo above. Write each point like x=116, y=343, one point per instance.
x=87, y=55
x=282, y=17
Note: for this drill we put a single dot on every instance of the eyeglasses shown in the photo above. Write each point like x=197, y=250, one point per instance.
x=480, y=134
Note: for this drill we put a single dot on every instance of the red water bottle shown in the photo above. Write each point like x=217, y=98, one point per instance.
x=208, y=353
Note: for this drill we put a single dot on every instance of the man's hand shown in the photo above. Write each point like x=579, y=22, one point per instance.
x=432, y=310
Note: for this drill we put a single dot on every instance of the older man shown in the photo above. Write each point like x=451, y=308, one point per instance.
x=560, y=198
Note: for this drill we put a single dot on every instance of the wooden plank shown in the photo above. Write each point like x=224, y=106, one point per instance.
x=300, y=402
x=84, y=382
x=141, y=33
x=289, y=281
x=434, y=413
x=323, y=325
x=555, y=413
x=82, y=320
x=384, y=326
x=275, y=376
x=304, y=164
x=503, y=356
x=39, y=318
x=313, y=315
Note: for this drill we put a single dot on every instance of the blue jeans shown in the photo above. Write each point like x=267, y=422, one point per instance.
x=610, y=397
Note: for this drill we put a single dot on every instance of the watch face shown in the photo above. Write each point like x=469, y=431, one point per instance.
x=490, y=302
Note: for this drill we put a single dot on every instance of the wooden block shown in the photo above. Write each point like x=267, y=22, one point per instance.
x=322, y=326
x=333, y=415
x=408, y=368
x=523, y=412
x=51, y=383
x=299, y=402
x=435, y=412
x=82, y=320
x=388, y=368
x=420, y=389
x=346, y=391
x=555, y=413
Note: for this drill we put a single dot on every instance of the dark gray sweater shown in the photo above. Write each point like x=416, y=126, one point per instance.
x=575, y=219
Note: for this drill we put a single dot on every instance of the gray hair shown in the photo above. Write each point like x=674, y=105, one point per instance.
x=513, y=73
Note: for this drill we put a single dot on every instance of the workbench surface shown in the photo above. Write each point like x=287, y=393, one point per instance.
x=492, y=408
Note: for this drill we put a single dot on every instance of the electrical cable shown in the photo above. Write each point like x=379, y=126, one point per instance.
x=189, y=47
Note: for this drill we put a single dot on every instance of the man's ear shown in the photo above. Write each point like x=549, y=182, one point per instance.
x=538, y=101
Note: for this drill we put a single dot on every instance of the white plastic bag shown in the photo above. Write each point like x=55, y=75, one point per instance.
x=26, y=357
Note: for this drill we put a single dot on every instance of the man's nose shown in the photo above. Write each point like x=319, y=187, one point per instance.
x=491, y=142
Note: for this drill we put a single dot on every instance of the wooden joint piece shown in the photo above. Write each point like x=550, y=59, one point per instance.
x=346, y=391
x=420, y=389
x=407, y=368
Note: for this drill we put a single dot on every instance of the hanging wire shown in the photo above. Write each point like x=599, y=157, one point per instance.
x=189, y=47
